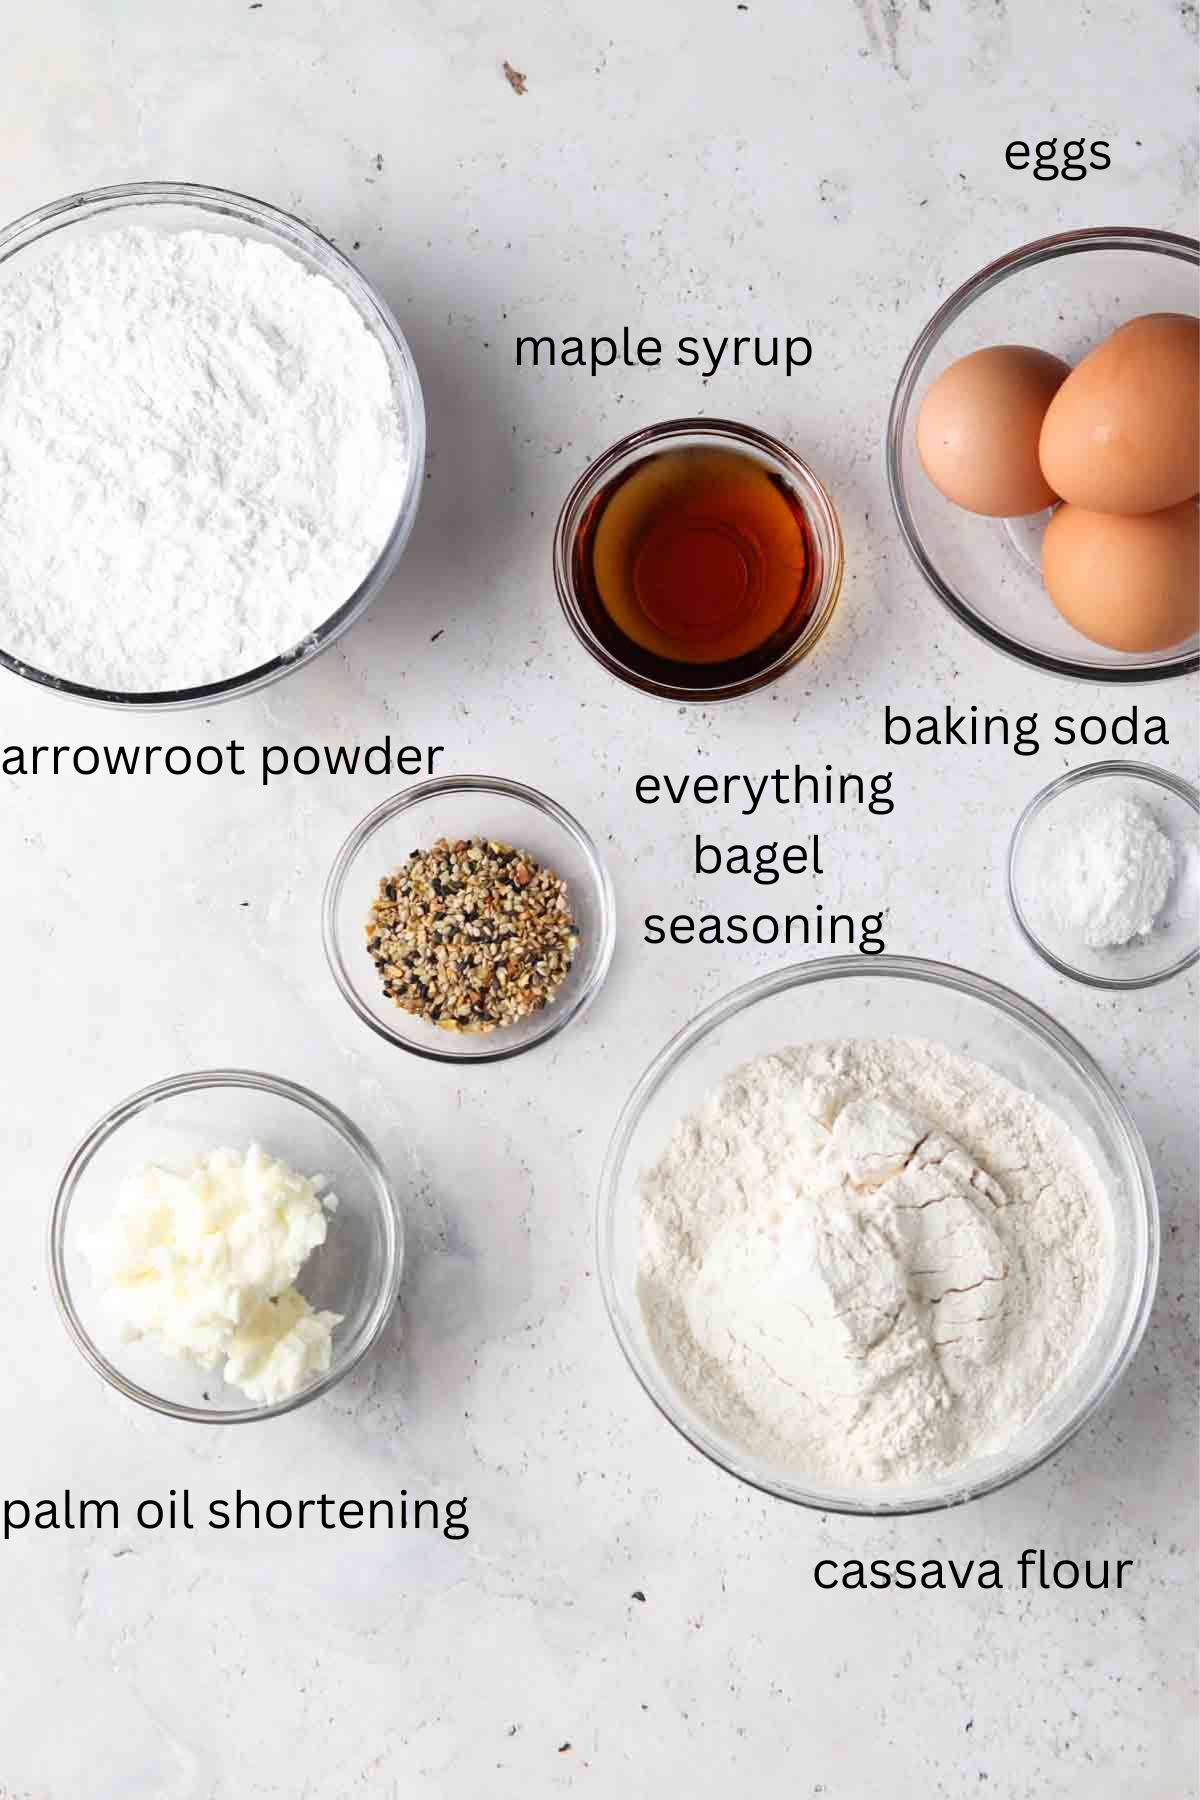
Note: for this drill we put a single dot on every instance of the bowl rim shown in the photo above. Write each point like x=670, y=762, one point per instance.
x=812, y=491
x=190, y=1082
x=654, y=1382
x=1096, y=237
x=555, y=1019
x=286, y=230
x=1155, y=778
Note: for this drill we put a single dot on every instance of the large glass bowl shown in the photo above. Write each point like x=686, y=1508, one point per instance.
x=180, y=206
x=845, y=996
x=355, y=1272
x=1065, y=295
x=466, y=806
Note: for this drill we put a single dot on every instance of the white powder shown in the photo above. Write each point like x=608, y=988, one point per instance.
x=1108, y=875
x=201, y=457
x=871, y=1262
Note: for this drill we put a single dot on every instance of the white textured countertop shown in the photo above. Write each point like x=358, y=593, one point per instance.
x=828, y=170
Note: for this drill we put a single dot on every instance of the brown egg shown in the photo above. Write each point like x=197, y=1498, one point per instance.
x=1122, y=434
x=978, y=430
x=1129, y=582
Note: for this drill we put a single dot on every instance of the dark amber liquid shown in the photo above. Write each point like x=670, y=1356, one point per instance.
x=696, y=567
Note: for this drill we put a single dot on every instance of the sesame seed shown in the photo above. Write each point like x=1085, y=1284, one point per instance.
x=472, y=935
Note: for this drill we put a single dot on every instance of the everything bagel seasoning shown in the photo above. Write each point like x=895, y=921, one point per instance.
x=471, y=935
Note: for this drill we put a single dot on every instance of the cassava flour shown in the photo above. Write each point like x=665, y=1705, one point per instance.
x=871, y=1261
x=201, y=456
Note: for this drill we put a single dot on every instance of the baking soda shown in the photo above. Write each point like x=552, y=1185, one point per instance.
x=1109, y=874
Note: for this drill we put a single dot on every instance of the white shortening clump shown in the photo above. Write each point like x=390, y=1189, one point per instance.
x=1110, y=872
x=201, y=457
x=201, y=1262
x=871, y=1261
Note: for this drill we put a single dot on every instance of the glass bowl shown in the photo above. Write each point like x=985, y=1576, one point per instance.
x=683, y=681
x=355, y=1272
x=466, y=806
x=1174, y=942
x=1062, y=294
x=844, y=996
x=178, y=206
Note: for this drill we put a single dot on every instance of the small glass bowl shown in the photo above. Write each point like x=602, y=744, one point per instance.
x=466, y=806
x=1062, y=294
x=683, y=434
x=355, y=1272
x=896, y=996
x=1174, y=942
x=180, y=206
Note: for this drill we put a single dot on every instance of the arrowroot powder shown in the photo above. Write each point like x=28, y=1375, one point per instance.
x=871, y=1262
x=201, y=457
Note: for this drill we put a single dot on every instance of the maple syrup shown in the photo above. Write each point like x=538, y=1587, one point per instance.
x=696, y=566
